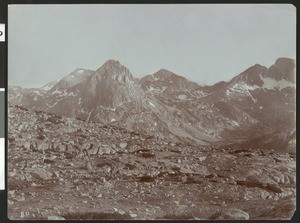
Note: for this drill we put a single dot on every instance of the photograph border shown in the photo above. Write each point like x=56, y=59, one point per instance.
x=4, y=84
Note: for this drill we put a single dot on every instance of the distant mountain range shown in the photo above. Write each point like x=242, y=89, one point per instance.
x=257, y=102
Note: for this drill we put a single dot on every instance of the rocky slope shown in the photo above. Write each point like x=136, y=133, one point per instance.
x=258, y=101
x=65, y=168
x=268, y=95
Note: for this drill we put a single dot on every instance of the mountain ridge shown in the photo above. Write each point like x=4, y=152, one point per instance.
x=169, y=105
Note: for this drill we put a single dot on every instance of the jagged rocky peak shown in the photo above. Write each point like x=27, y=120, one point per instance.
x=217, y=86
x=112, y=62
x=220, y=84
x=49, y=85
x=14, y=88
x=79, y=73
x=75, y=77
x=163, y=77
x=251, y=76
x=165, y=74
x=285, y=64
x=256, y=69
x=111, y=93
x=110, y=86
x=115, y=70
x=284, y=68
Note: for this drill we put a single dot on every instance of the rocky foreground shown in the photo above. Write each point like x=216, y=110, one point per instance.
x=64, y=168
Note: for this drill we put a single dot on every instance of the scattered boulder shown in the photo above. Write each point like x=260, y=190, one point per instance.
x=133, y=215
x=55, y=218
x=89, y=166
x=284, y=210
x=202, y=158
x=26, y=145
x=262, y=182
x=274, y=188
x=39, y=173
x=43, y=146
x=104, y=150
x=49, y=161
x=70, y=149
x=230, y=214
x=69, y=155
x=212, y=176
x=61, y=147
x=201, y=170
x=107, y=169
x=123, y=145
x=93, y=150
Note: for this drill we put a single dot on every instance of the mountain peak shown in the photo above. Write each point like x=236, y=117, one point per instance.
x=250, y=76
x=164, y=73
x=78, y=71
x=281, y=60
x=75, y=77
x=284, y=68
x=49, y=85
x=286, y=65
x=164, y=70
x=113, y=67
x=112, y=62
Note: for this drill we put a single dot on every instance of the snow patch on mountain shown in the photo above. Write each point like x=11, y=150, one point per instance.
x=56, y=92
x=64, y=93
x=150, y=88
x=163, y=88
x=235, y=123
x=253, y=99
x=49, y=85
x=182, y=97
x=201, y=93
x=156, y=90
x=51, y=106
x=242, y=87
x=89, y=116
x=172, y=103
x=270, y=83
x=152, y=104
x=38, y=92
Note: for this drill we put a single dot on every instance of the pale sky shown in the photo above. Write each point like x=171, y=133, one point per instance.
x=205, y=43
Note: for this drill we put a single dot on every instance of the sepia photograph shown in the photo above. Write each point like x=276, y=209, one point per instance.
x=151, y=112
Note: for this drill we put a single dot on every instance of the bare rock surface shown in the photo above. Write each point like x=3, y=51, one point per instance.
x=228, y=214
x=83, y=170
